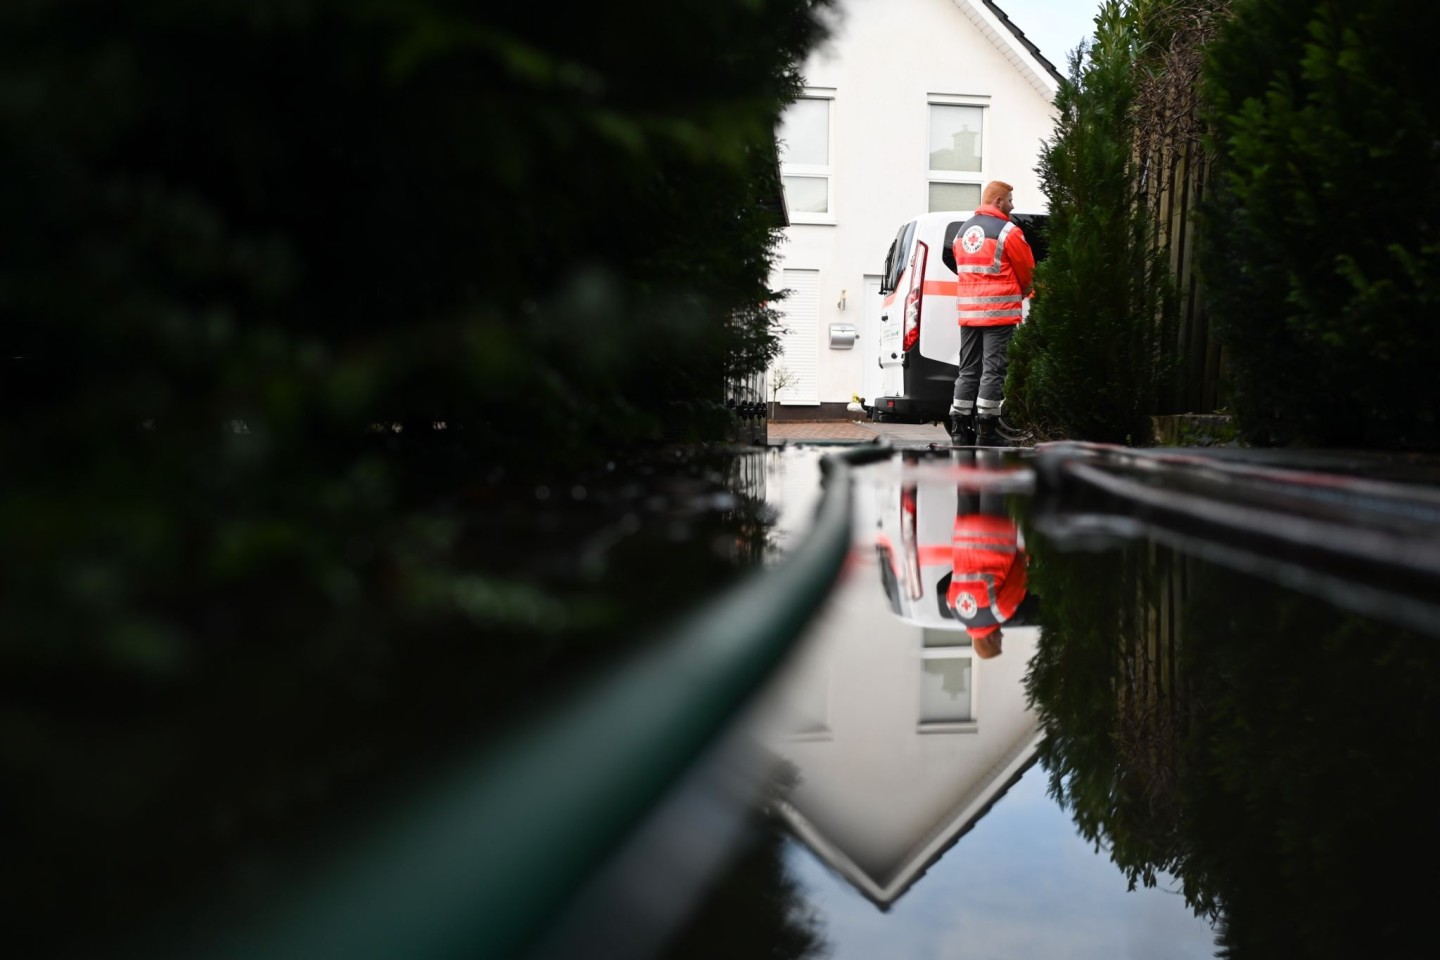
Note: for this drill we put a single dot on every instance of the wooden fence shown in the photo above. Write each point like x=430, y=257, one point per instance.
x=1175, y=171
x=1179, y=180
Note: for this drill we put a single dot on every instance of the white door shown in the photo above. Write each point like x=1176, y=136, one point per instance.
x=800, y=353
x=870, y=381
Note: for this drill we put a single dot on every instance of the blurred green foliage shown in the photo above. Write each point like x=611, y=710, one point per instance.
x=302, y=304
x=313, y=215
x=1321, y=236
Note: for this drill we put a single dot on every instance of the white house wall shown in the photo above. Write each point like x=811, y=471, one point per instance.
x=886, y=58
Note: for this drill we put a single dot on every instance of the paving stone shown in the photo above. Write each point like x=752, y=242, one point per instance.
x=858, y=431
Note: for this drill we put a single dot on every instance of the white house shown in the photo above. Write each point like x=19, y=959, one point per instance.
x=911, y=106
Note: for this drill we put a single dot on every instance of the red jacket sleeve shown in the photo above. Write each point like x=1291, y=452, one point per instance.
x=1011, y=587
x=1022, y=260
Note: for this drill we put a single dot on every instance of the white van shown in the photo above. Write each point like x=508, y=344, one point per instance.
x=915, y=554
x=917, y=347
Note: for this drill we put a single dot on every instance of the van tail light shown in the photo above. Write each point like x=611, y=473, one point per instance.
x=914, y=299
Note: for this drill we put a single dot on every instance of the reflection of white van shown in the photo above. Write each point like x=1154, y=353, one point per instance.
x=913, y=546
x=918, y=343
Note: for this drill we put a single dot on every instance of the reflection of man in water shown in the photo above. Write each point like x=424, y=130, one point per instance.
x=987, y=579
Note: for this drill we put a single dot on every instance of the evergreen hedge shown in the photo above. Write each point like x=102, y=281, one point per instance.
x=1088, y=362
x=1321, y=237
x=280, y=273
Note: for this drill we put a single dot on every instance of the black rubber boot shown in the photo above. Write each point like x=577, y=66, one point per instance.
x=987, y=433
x=962, y=429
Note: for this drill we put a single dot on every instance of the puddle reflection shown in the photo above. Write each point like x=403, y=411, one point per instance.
x=901, y=720
x=1180, y=746
x=906, y=726
x=1187, y=741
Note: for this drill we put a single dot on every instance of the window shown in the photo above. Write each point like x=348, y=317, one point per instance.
x=804, y=137
x=957, y=155
x=897, y=258
x=947, y=697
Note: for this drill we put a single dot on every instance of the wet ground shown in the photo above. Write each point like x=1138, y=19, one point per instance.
x=1210, y=728
x=1062, y=701
x=918, y=823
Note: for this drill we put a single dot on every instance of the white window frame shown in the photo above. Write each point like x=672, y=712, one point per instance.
x=949, y=652
x=979, y=177
x=817, y=171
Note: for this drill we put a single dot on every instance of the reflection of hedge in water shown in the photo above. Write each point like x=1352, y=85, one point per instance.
x=1315, y=762
x=134, y=787
x=1152, y=702
x=1305, y=744
x=1109, y=686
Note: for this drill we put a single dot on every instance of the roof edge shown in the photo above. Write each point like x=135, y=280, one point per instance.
x=883, y=892
x=1018, y=49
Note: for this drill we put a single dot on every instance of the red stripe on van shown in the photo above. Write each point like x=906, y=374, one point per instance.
x=941, y=288
x=889, y=300
x=929, y=556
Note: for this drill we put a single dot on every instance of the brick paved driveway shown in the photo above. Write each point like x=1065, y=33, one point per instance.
x=860, y=431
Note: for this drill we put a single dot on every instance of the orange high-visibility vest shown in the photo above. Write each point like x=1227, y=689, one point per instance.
x=994, y=267
x=988, y=581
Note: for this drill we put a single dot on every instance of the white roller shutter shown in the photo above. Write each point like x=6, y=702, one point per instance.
x=800, y=353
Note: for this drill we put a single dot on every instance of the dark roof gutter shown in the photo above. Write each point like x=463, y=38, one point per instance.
x=1024, y=41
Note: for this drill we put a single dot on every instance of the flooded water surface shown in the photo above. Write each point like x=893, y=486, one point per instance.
x=1030, y=725
x=1065, y=701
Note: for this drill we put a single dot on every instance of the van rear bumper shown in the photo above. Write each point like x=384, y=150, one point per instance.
x=909, y=410
x=929, y=387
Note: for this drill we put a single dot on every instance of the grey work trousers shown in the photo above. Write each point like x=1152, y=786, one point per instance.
x=984, y=361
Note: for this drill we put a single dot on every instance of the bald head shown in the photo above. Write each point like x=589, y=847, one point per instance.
x=996, y=192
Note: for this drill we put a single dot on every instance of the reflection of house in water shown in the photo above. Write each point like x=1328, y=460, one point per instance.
x=901, y=737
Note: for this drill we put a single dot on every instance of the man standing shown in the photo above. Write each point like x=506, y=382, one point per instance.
x=996, y=270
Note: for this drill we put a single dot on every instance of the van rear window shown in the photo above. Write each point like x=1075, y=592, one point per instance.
x=947, y=249
x=1037, y=232
x=897, y=258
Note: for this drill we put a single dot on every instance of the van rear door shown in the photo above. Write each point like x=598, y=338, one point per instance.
x=889, y=355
